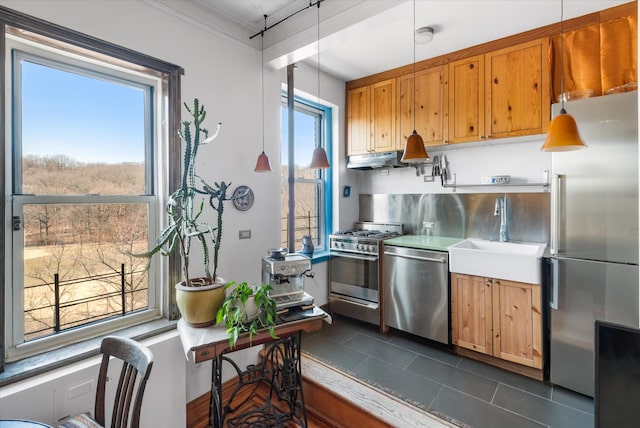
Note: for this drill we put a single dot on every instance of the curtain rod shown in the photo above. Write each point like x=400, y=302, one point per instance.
x=261, y=32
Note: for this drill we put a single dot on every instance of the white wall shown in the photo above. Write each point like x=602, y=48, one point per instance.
x=470, y=162
x=71, y=389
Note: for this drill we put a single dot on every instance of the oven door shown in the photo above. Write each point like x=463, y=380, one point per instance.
x=354, y=275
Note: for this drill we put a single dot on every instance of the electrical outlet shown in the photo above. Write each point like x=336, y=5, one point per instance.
x=428, y=225
x=384, y=171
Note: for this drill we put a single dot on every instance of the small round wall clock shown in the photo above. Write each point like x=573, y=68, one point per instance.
x=243, y=198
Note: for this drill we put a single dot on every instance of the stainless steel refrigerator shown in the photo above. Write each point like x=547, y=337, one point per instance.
x=594, y=235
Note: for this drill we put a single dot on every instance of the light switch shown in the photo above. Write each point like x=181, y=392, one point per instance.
x=244, y=234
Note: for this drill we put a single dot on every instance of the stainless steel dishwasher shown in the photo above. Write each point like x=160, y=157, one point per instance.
x=416, y=292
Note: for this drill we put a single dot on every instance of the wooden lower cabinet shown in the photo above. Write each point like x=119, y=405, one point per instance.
x=497, y=317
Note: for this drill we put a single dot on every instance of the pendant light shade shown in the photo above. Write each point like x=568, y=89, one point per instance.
x=319, y=159
x=263, y=164
x=563, y=134
x=414, y=151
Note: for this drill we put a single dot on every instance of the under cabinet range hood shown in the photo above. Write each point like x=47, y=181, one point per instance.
x=376, y=160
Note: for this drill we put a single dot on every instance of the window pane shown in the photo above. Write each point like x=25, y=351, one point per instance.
x=80, y=134
x=84, y=249
x=284, y=142
x=309, y=183
x=307, y=135
x=307, y=209
x=284, y=209
x=306, y=141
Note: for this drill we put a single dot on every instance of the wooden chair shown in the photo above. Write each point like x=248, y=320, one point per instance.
x=136, y=360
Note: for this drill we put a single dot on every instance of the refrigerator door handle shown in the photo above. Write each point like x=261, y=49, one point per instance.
x=555, y=212
x=553, y=303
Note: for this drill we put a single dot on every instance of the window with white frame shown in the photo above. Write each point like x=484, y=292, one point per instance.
x=84, y=149
x=312, y=202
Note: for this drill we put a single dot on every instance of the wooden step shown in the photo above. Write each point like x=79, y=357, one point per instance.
x=345, y=401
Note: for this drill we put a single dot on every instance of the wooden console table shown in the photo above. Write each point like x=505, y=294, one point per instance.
x=280, y=368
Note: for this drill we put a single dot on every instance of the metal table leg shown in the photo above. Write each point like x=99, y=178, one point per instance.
x=281, y=369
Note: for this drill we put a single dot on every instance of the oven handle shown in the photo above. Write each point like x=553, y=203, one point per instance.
x=406, y=256
x=356, y=256
x=368, y=305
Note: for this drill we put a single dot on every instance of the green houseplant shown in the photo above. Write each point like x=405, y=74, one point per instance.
x=198, y=299
x=247, y=309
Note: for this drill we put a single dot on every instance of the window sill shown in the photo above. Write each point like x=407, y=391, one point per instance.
x=319, y=257
x=38, y=364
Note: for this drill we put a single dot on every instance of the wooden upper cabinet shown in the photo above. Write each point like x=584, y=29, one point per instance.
x=383, y=116
x=430, y=98
x=466, y=100
x=504, y=93
x=518, y=90
x=358, y=112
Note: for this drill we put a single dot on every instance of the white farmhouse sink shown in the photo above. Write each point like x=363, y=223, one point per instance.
x=515, y=261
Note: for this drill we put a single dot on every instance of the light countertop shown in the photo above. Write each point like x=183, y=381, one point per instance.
x=424, y=242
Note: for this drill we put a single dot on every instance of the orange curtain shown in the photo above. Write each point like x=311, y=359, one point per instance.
x=597, y=57
x=619, y=47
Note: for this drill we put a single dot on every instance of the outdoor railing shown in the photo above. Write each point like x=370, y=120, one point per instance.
x=118, y=299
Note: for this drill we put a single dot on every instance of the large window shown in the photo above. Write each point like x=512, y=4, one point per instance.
x=312, y=201
x=84, y=153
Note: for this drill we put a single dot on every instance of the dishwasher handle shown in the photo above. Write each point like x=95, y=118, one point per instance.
x=407, y=256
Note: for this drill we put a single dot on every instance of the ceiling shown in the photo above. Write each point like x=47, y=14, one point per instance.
x=363, y=37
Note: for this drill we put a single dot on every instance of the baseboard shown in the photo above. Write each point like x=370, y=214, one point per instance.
x=536, y=374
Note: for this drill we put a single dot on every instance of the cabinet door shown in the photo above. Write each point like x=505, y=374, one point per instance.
x=517, y=322
x=358, y=105
x=383, y=116
x=517, y=88
x=466, y=100
x=471, y=312
x=431, y=106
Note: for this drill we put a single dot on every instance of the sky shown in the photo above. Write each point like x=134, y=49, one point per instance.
x=92, y=120
x=84, y=118
x=304, y=130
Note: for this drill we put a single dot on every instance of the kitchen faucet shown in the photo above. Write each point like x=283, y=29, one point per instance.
x=502, y=210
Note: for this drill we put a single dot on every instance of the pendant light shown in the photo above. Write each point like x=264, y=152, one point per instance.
x=263, y=164
x=319, y=158
x=562, y=135
x=414, y=151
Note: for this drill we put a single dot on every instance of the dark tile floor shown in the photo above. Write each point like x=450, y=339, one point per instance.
x=468, y=391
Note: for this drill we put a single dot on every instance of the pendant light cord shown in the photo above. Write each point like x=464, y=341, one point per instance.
x=262, y=77
x=318, y=66
x=414, y=65
x=562, y=54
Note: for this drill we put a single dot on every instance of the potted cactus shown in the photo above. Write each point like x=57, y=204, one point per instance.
x=199, y=298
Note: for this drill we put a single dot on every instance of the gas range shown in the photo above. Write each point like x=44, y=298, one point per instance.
x=354, y=269
x=365, y=238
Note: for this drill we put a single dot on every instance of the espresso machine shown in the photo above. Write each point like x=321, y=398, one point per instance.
x=285, y=274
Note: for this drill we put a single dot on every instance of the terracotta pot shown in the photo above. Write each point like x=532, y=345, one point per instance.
x=199, y=305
